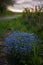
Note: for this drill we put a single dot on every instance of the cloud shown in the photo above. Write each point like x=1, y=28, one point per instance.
x=21, y=4
x=37, y=0
x=26, y=3
x=29, y=2
x=22, y=1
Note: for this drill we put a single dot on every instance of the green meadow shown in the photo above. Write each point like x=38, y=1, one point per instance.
x=30, y=23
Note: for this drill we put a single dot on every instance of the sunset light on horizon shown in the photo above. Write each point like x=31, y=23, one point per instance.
x=21, y=4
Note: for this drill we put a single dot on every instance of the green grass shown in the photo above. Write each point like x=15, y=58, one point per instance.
x=34, y=24
x=9, y=13
x=11, y=26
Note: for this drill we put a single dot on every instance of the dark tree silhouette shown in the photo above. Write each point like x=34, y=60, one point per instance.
x=4, y=4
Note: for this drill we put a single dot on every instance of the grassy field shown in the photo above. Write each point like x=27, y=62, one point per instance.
x=9, y=13
x=30, y=23
x=11, y=25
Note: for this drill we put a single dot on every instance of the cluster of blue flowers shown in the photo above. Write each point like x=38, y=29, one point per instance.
x=21, y=41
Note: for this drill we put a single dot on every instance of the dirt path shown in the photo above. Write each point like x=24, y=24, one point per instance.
x=3, y=60
x=8, y=17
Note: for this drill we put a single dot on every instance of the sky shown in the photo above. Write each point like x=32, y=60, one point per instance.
x=21, y=4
